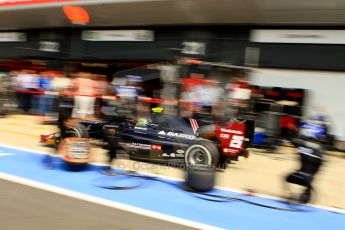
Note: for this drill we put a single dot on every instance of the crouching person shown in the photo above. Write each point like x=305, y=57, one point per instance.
x=310, y=144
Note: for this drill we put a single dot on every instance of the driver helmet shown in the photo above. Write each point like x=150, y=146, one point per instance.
x=143, y=122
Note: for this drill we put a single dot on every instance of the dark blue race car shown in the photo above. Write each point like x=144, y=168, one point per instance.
x=169, y=139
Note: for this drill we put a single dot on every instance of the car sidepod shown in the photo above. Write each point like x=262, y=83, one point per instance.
x=154, y=144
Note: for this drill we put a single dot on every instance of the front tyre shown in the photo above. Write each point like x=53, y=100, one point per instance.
x=71, y=146
x=77, y=130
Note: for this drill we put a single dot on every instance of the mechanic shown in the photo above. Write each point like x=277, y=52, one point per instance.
x=310, y=143
x=64, y=109
x=110, y=137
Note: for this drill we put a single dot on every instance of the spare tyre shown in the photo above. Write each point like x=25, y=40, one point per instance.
x=201, y=178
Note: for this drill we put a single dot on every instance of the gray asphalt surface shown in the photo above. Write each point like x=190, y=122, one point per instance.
x=23, y=208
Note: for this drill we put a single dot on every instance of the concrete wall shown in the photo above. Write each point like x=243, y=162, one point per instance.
x=326, y=91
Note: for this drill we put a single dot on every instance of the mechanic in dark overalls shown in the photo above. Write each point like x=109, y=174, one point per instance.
x=64, y=111
x=310, y=144
x=110, y=137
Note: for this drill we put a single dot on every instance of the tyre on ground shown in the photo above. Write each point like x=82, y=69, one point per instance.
x=201, y=161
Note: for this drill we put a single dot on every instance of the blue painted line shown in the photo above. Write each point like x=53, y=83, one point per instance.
x=165, y=197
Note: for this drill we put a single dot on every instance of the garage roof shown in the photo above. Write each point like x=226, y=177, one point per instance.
x=174, y=12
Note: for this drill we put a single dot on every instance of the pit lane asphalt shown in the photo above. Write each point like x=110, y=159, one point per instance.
x=24, y=207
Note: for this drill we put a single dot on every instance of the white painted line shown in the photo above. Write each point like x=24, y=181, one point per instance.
x=23, y=149
x=101, y=201
x=93, y=163
x=179, y=179
x=6, y=154
x=281, y=199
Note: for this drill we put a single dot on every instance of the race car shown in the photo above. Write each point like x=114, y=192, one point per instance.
x=167, y=139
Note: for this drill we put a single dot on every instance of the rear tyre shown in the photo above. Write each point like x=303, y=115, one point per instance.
x=202, y=153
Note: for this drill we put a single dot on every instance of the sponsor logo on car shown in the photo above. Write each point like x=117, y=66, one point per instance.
x=224, y=136
x=156, y=147
x=226, y=150
x=179, y=135
x=231, y=131
x=162, y=133
x=172, y=155
x=140, y=128
x=136, y=146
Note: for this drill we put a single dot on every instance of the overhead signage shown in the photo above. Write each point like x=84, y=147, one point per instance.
x=118, y=35
x=12, y=37
x=48, y=46
x=194, y=48
x=298, y=36
x=4, y=3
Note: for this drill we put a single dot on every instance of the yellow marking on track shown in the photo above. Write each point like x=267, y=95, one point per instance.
x=24, y=117
x=336, y=154
x=37, y=127
x=36, y=136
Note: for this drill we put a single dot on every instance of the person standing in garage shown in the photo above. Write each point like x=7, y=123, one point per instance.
x=84, y=98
